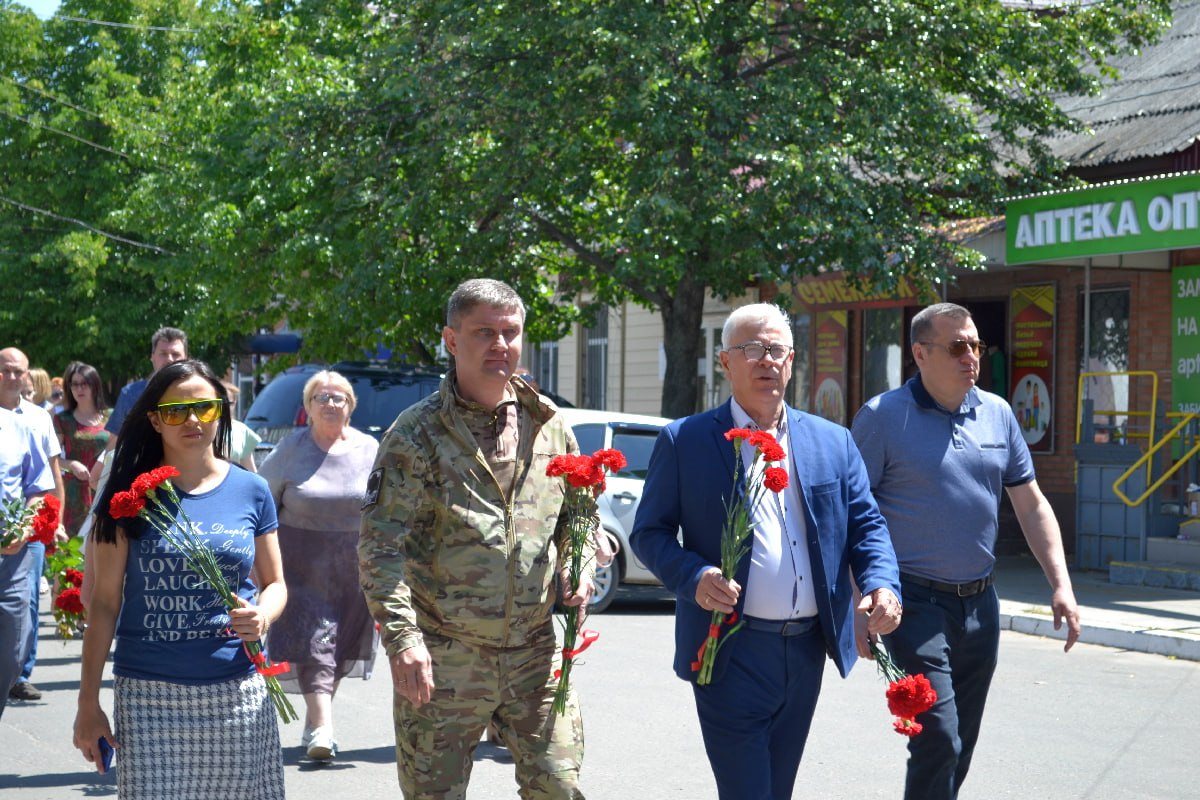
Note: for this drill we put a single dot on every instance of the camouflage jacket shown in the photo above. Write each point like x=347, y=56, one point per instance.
x=441, y=550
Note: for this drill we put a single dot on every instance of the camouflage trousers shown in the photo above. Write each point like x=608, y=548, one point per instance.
x=435, y=744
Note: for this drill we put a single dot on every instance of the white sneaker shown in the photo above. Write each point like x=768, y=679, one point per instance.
x=318, y=744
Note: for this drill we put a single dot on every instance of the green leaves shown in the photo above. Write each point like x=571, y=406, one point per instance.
x=345, y=165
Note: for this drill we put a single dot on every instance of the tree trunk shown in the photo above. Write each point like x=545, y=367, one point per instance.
x=681, y=339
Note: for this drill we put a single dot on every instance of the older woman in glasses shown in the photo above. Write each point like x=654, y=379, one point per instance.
x=192, y=715
x=318, y=476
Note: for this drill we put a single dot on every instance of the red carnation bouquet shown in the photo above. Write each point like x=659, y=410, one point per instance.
x=36, y=523
x=735, y=535
x=907, y=695
x=585, y=477
x=68, y=606
x=180, y=534
x=64, y=569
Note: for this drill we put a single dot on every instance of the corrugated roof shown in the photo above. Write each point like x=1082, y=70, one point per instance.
x=1152, y=109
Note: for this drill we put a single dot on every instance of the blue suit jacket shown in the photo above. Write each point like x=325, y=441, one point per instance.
x=691, y=477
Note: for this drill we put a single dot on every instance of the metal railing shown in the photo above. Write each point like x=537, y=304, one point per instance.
x=1147, y=460
x=1175, y=435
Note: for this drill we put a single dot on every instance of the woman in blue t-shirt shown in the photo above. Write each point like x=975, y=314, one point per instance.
x=193, y=718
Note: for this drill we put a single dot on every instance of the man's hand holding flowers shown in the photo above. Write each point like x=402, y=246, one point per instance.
x=882, y=609
x=580, y=596
x=715, y=593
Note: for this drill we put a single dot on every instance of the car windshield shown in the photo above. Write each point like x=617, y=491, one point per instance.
x=636, y=442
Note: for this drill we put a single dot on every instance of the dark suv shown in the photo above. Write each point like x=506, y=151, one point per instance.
x=382, y=392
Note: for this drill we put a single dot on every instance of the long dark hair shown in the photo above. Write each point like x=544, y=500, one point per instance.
x=140, y=447
x=89, y=374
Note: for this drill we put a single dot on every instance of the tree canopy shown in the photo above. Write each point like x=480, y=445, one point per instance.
x=344, y=165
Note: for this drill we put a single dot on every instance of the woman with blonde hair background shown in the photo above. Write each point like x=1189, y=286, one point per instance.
x=318, y=476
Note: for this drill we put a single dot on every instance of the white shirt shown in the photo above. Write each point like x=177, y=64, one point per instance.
x=780, y=582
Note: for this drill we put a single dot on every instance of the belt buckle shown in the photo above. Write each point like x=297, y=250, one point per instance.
x=795, y=627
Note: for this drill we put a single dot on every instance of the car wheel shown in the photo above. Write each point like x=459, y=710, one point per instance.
x=607, y=580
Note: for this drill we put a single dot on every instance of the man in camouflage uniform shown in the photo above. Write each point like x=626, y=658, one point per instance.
x=459, y=549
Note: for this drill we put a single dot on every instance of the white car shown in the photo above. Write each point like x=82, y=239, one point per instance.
x=633, y=435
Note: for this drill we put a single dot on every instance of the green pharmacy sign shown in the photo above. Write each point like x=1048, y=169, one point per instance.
x=1108, y=219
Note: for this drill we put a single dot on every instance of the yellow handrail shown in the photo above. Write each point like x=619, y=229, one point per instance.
x=1149, y=454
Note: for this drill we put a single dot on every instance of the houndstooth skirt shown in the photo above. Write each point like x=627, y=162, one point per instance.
x=197, y=742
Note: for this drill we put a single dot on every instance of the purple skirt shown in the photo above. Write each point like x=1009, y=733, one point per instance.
x=325, y=631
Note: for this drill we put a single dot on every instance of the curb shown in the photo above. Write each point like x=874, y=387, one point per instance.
x=1143, y=640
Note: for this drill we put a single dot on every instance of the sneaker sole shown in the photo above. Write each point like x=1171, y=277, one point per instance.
x=321, y=753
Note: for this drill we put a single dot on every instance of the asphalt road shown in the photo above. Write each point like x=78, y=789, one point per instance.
x=1096, y=723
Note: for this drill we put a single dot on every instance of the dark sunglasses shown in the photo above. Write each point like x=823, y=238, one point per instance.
x=959, y=347
x=178, y=413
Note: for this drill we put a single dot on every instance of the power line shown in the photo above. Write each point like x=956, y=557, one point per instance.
x=55, y=98
x=52, y=129
x=125, y=123
x=88, y=21
x=83, y=224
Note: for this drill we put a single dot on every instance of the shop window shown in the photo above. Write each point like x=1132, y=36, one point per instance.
x=883, y=338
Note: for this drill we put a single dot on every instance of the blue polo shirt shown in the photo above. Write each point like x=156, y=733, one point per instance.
x=128, y=395
x=937, y=476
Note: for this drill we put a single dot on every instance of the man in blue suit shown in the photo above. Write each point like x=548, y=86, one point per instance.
x=813, y=544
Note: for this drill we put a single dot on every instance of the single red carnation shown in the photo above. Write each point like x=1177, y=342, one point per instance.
x=69, y=601
x=614, y=460
x=759, y=438
x=126, y=504
x=564, y=464
x=586, y=473
x=907, y=727
x=775, y=478
x=738, y=433
x=910, y=696
x=147, y=482
x=772, y=451
x=72, y=577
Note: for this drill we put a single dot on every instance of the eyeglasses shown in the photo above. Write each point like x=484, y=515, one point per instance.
x=754, y=351
x=80, y=384
x=178, y=413
x=327, y=399
x=959, y=347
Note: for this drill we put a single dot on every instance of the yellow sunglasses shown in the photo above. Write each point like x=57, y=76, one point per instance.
x=178, y=413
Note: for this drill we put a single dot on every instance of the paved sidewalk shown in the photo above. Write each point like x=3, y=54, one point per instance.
x=1142, y=618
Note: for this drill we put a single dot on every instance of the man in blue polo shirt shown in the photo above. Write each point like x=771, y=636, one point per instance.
x=24, y=475
x=938, y=453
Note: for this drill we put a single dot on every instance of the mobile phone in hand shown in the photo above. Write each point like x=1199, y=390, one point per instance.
x=106, y=754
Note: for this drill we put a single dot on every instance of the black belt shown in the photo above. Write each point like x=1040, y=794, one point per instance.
x=961, y=589
x=782, y=627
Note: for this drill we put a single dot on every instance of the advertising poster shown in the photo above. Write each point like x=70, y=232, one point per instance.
x=830, y=373
x=1032, y=309
x=1185, y=339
